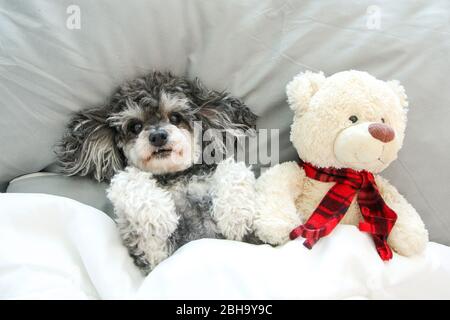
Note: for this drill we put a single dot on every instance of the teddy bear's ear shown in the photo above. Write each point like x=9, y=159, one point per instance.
x=300, y=90
x=399, y=90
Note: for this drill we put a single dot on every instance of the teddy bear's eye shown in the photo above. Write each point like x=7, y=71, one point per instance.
x=382, y=120
x=353, y=119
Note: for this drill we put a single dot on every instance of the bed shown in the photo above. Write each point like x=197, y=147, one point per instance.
x=57, y=233
x=56, y=248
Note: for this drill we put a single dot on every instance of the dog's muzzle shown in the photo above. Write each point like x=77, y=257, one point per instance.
x=159, y=137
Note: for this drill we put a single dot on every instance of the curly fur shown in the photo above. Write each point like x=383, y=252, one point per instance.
x=158, y=214
x=322, y=109
x=161, y=207
x=88, y=146
x=93, y=142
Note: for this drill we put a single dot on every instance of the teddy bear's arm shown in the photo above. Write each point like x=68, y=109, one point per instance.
x=277, y=189
x=409, y=236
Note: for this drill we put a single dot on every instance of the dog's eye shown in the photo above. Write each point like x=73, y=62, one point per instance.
x=135, y=127
x=175, y=118
x=353, y=119
x=382, y=120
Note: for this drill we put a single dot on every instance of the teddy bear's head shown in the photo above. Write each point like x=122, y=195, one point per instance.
x=348, y=120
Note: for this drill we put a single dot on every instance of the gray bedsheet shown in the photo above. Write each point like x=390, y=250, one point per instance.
x=252, y=48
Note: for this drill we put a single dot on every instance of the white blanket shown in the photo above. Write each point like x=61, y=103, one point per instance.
x=54, y=247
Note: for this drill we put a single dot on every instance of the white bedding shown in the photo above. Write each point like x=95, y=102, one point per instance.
x=54, y=247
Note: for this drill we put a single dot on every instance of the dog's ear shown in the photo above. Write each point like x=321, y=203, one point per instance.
x=219, y=110
x=88, y=147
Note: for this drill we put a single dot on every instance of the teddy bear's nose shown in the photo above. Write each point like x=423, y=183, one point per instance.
x=381, y=132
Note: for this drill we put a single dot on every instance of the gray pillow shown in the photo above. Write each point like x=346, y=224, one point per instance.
x=251, y=48
x=78, y=188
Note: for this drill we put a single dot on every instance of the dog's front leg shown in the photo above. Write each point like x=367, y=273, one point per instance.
x=233, y=199
x=146, y=216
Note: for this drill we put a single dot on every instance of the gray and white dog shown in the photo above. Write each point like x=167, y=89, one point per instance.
x=142, y=141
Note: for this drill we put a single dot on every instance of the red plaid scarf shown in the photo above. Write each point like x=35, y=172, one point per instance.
x=379, y=219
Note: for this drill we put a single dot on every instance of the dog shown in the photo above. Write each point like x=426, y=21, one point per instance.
x=142, y=141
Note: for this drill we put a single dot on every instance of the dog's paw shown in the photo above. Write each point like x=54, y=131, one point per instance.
x=146, y=215
x=146, y=245
x=135, y=193
x=132, y=175
x=127, y=183
x=235, y=223
x=229, y=172
x=233, y=193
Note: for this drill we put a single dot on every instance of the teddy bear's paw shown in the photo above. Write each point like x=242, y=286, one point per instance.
x=408, y=241
x=273, y=231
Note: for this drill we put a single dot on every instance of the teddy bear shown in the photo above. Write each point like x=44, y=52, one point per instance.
x=347, y=128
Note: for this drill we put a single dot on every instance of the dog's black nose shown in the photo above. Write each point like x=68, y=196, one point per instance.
x=159, y=137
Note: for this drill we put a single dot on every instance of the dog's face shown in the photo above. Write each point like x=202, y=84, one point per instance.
x=156, y=133
x=149, y=123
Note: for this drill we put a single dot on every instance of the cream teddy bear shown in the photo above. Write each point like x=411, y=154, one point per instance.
x=346, y=129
